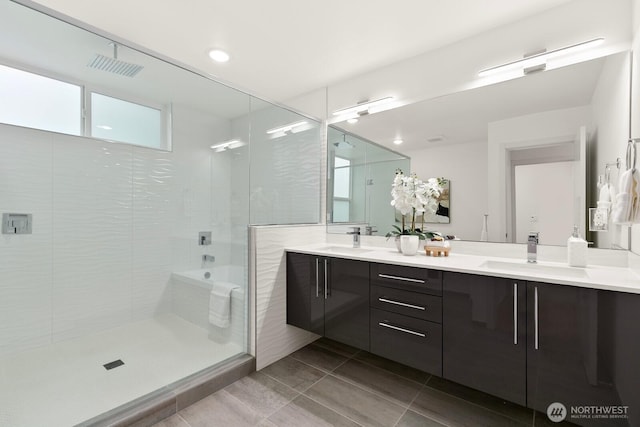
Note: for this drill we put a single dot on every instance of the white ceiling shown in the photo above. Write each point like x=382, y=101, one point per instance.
x=284, y=48
x=464, y=116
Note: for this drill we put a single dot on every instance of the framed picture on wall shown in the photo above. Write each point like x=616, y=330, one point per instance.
x=442, y=214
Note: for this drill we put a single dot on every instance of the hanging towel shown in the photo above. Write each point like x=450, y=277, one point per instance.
x=220, y=303
x=626, y=208
x=604, y=197
x=634, y=215
x=622, y=204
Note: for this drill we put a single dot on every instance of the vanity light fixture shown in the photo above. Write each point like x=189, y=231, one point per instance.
x=287, y=128
x=352, y=120
x=227, y=145
x=219, y=55
x=538, y=60
x=362, y=108
x=398, y=141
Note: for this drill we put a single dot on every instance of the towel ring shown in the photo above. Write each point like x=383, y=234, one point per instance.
x=631, y=154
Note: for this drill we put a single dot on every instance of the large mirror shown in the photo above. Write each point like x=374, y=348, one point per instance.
x=527, y=152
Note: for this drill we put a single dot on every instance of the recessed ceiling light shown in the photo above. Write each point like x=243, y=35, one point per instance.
x=352, y=120
x=398, y=141
x=218, y=55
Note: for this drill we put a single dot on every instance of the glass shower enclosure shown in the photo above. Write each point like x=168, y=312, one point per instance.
x=134, y=272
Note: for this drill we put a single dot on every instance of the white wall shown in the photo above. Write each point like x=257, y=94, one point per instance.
x=465, y=165
x=610, y=105
x=110, y=224
x=274, y=339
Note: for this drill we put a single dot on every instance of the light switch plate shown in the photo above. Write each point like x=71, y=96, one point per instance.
x=16, y=223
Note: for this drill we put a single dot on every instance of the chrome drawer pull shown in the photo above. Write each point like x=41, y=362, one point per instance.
x=404, y=279
x=515, y=313
x=535, y=318
x=317, y=277
x=404, y=304
x=386, y=325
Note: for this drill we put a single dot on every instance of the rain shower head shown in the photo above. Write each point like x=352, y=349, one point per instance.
x=114, y=65
x=344, y=144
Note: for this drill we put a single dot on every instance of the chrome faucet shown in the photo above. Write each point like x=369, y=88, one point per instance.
x=369, y=230
x=532, y=247
x=356, y=236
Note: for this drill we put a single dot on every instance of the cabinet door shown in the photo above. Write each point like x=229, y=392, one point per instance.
x=346, y=309
x=583, y=351
x=484, y=335
x=305, y=292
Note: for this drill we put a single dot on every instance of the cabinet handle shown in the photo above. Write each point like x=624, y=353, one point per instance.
x=317, y=277
x=397, y=328
x=326, y=287
x=535, y=314
x=515, y=313
x=404, y=279
x=404, y=304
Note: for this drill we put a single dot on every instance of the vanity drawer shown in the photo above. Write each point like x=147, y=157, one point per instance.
x=413, y=279
x=413, y=342
x=414, y=304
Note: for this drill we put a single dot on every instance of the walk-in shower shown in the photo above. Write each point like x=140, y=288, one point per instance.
x=111, y=296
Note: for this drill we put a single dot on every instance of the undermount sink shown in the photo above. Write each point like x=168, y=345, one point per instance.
x=345, y=249
x=540, y=268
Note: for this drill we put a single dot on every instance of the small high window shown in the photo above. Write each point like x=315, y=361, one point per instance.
x=39, y=102
x=119, y=120
x=341, y=190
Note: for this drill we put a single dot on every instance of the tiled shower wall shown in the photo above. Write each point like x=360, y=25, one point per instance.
x=110, y=224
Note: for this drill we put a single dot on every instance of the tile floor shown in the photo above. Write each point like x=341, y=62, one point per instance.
x=327, y=383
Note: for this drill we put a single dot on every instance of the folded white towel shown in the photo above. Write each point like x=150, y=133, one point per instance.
x=220, y=303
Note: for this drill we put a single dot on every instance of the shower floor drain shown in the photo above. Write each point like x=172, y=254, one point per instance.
x=114, y=364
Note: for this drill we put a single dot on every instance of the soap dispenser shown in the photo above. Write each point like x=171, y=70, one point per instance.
x=577, y=249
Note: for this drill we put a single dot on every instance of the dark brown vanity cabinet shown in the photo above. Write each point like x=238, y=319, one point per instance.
x=526, y=342
x=330, y=297
x=583, y=350
x=536, y=344
x=484, y=334
x=406, y=316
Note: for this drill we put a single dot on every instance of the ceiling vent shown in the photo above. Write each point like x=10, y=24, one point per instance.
x=435, y=139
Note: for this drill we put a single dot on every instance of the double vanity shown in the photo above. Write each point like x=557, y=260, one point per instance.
x=531, y=334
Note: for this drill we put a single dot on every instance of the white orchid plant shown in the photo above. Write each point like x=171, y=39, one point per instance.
x=412, y=196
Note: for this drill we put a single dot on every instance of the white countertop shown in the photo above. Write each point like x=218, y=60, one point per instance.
x=619, y=279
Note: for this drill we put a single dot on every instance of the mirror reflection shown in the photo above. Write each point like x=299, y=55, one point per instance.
x=359, y=176
x=526, y=152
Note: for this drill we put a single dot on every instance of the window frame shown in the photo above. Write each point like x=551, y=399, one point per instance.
x=165, y=115
x=350, y=187
x=85, y=119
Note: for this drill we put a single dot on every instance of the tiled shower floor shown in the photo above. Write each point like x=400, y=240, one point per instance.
x=65, y=383
x=327, y=383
